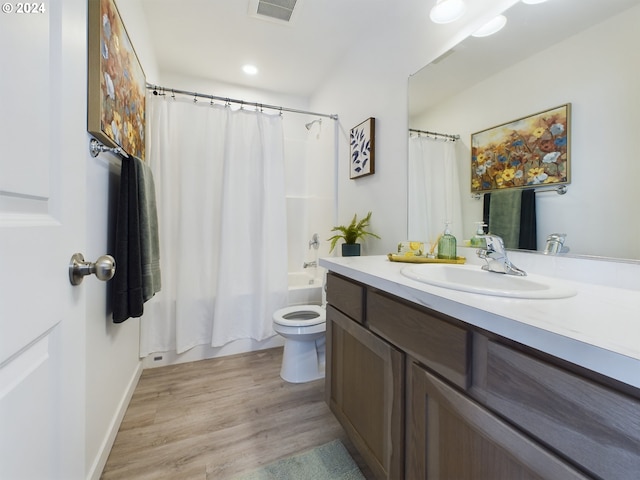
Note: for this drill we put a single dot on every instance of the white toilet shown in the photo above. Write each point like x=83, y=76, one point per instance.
x=303, y=327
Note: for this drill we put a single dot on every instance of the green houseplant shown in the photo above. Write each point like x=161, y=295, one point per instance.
x=350, y=234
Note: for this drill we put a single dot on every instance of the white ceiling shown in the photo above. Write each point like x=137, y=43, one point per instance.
x=530, y=29
x=212, y=39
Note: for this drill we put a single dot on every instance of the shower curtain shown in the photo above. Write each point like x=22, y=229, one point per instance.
x=433, y=189
x=219, y=177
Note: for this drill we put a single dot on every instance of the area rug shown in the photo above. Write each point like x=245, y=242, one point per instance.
x=327, y=462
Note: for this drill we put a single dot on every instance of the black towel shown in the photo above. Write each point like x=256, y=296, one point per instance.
x=127, y=282
x=528, y=223
x=527, y=237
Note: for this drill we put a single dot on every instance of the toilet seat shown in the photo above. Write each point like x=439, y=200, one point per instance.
x=300, y=316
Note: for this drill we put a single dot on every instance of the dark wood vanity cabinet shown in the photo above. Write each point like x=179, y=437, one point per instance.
x=450, y=436
x=365, y=384
x=426, y=396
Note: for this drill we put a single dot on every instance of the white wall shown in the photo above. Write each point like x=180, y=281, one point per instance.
x=374, y=84
x=593, y=72
x=112, y=363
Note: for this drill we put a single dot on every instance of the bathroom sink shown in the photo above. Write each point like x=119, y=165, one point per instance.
x=471, y=278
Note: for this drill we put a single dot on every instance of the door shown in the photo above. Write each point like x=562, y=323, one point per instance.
x=43, y=144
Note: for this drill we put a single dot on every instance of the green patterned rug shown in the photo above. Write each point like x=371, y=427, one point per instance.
x=327, y=462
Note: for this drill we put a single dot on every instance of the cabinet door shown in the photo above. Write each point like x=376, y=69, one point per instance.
x=451, y=437
x=595, y=426
x=365, y=390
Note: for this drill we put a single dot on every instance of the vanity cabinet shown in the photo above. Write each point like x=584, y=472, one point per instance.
x=364, y=381
x=427, y=396
x=449, y=436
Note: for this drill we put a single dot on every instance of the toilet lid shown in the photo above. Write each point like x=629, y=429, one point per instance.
x=300, y=316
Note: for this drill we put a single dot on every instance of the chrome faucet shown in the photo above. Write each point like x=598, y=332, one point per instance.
x=555, y=244
x=309, y=264
x=496, y=257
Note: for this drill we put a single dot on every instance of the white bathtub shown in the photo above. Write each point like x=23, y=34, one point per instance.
x=305, y=288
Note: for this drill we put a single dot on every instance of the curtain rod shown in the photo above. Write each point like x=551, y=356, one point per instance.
x=444, y=135
x=158, y=90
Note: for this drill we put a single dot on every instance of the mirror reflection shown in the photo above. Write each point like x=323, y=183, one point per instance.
x=549, y=54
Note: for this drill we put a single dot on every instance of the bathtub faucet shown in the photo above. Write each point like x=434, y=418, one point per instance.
x=309, y=264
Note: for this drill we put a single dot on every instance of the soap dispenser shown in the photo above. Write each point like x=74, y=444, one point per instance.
x=447, y=245
x=477, y=240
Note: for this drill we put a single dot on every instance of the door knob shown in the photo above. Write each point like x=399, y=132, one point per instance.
x=104, y=268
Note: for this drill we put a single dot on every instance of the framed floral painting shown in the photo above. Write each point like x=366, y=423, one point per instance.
x=523, y=153
x=362, y=149
x=116, y=82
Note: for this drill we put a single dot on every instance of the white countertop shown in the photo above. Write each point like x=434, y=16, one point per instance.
x=598, y=329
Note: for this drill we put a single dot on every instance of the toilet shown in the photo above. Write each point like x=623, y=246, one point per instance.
x=303, y=328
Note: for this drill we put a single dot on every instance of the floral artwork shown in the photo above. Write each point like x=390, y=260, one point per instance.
x=117, y=83
x=531, y=151
x=362, y=145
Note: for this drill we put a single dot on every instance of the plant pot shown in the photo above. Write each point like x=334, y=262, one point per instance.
x=350, y=249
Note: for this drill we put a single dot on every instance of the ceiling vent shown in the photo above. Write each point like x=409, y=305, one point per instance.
x=275, y=9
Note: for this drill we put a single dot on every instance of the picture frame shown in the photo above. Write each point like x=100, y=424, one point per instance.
x=362, y=149
x=116, y=86
x=531, y=151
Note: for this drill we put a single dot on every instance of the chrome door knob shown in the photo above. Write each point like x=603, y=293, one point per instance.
x=104, y=268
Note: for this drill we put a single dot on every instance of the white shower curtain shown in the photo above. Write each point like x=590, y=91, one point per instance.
x=220, y=178
x=434, y=189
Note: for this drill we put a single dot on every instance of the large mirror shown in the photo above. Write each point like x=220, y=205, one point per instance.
x=547, y=55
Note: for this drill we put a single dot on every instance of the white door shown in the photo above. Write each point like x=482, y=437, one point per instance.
x=43, y=143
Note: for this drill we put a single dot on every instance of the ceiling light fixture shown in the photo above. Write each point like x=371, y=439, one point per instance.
x=446, y=11
x=491, y=27
x=250, y=69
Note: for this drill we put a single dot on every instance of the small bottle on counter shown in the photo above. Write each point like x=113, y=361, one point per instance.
x=477, y=240
x=447, y=245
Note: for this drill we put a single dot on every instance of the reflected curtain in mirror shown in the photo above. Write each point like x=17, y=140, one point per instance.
x=434, y=188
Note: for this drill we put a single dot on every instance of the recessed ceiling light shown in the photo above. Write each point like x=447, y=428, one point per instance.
x=446, y=11
x=491, y=27
x=250, y=69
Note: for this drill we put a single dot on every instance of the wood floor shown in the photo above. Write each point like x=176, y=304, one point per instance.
x=214, y=419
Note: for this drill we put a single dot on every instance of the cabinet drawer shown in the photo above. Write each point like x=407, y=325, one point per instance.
x=595, y=426
x=346, y=296
x=428, y=338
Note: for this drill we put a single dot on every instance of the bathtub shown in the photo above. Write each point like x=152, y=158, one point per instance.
x=305, y=288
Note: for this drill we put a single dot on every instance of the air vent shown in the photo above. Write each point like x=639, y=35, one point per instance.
x=277, y=9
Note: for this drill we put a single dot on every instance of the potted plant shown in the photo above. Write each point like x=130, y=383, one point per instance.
x=350, y=234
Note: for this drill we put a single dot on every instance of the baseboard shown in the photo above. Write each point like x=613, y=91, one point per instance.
x=204, y=352
x=101, y=459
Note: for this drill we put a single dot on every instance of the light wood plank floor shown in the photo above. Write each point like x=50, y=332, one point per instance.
x=213, y=419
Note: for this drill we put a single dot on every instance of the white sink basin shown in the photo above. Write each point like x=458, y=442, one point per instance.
x=471, y=278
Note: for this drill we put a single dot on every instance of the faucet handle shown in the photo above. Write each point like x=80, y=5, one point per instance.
x=494, y=242
x=314, y=242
